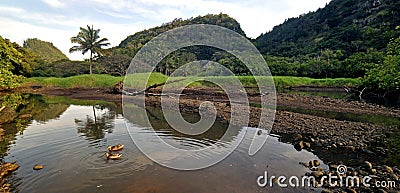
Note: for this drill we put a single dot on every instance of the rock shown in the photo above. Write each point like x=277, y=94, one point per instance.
x=7, y=168
x=326, y=191
x=349, y=148
x=317, y=174
x=381, y=191
x=388, y=169
x=37, y=167
x=297, y=137
x=394, y=177
x=373, y=171
x=333, y=167
x=316, y=163
x=367, y=165
x=314, y=134
x=307, y=145
x=25, y=116
x=299, y=146
x=349, y=190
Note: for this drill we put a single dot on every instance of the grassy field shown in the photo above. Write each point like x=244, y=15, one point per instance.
x=96, y=81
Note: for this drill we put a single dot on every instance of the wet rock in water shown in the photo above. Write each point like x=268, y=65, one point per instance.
x=317, y=163
x=367, y=165
x=37, y=167
x=7, y=168
x=297, y=137
x=314, y=163
x=299, y=146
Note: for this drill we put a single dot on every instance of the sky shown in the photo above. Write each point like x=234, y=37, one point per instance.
x=57, y=21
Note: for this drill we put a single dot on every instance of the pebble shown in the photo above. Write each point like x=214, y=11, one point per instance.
x=394, y=177
x=317, y=174
x=349, y=190
x=367, y=165
x=388, y=169
x=299, y=146
x=349, y=148
x=37, y=167
x=297, y=137
x=326, y=191
x=307, y=145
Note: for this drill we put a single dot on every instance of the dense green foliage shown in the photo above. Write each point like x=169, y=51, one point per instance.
x=45, y=50
x=15, y=62
x=348, y=25
x=88, y=39
x=347, y=38
x=134, y=42
x=385, y=77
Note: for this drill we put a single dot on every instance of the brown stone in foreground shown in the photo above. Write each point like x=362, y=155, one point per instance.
x=7, y=168
x=37, y=167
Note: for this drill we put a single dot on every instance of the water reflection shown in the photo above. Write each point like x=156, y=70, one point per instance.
x=94, y=128
x=59, y=142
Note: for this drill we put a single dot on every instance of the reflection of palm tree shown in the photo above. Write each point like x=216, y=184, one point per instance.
x=95, y=128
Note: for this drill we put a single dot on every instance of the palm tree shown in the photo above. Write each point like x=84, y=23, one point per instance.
x=88, y=40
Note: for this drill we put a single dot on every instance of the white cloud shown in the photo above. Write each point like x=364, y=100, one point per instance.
x=54, y=3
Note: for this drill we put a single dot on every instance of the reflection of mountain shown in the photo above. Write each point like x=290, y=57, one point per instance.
x=157, y=120
x=94, y=128
x=21, y=109
x=52, y=111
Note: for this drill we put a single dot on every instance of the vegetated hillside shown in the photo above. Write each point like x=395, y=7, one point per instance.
x=134, y=42
x=45, y=50
x=347, y=25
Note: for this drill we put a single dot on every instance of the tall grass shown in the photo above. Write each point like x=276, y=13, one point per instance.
x=140, y=79
x=81, y=81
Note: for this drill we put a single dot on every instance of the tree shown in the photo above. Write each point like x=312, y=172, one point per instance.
x=385, y=78
x=89, y=40
x=13, y=64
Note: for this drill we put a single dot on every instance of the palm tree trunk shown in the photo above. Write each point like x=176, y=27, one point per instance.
x=90, y=62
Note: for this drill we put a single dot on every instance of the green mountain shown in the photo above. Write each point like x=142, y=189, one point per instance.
x=133, y=43
x=348, y=25
x=45, y=50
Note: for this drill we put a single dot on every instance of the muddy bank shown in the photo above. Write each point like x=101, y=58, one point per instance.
x=210, y=94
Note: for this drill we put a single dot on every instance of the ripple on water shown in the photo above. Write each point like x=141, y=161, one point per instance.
x=131, y=161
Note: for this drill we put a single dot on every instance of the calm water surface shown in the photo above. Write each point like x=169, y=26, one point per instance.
x=71, y=147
